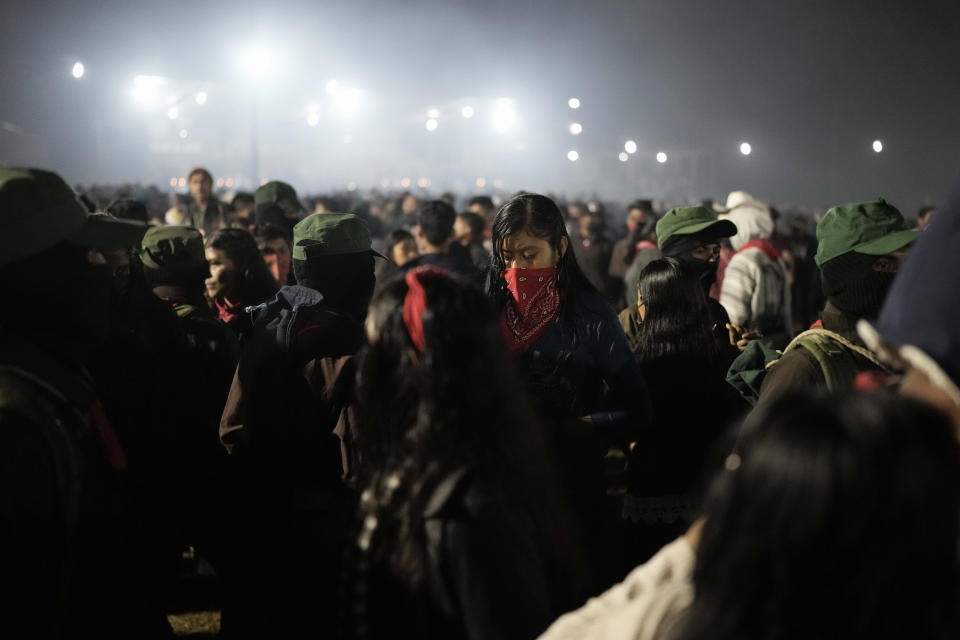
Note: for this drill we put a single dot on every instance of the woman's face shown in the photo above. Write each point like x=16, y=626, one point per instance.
x=404, y=251
x=524, y=251
x=224, y=276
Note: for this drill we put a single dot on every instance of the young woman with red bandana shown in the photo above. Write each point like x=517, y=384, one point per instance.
x=573, y=358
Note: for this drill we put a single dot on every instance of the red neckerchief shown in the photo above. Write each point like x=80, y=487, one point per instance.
x=533, y=304
x=764, y=245
x=225, y=313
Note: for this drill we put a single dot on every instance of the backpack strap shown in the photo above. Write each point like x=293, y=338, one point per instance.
x=840, y=359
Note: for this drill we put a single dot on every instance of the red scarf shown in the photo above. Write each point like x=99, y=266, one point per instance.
x=534, y=303
x=225, y=313
x=764, y=245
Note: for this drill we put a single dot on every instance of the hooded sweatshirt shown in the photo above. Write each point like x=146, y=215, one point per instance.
x=755, y=290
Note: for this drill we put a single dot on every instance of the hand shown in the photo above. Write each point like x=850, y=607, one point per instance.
x=740, y=337
x=693, y=533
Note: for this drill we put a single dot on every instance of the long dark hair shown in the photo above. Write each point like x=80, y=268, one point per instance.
x=540, y=217
x=837, y=518
x=256, y=282
x=677, y=319
x=455, y=404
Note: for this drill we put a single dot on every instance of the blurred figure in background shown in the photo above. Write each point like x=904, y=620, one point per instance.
x=469, y=233
x=639, y=214
x=925, y=216
x=204, y=212
x=242, y=214
x=276, y=250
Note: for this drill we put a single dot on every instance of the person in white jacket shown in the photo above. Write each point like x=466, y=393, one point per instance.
x=755, y=290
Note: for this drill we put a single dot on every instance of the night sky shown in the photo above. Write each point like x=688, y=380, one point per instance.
x=809, y=84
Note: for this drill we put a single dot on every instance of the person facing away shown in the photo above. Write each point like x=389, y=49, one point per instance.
x=238, y=278
x=64, y=514
x=861, y=247
x=462, y=534
x=288, y=424
x=755, y=289
x=685, y=367
x=277, y=203
x=437, y=244
x=204, y=212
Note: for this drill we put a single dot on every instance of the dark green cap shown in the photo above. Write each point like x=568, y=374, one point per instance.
x=38, y=211
x=684, y=221
x=330, y=234
x=163, y=246
x=872, y=228
x=279, y=194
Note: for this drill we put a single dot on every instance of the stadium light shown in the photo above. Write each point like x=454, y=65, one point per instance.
x=433, y=113
x=745, y=148
x=432, y=125
x=630, y=146
x=78, y=70
x=258, y=61
x=173, y=113
x=504, y=115
x=201, y=98
x=573, y=156
x=877, y=146
x=576, y=128
x=573, y=103
x=661, y=157
x=467, y=112
x=146, y=89
x=624, y=156
x=313, y=119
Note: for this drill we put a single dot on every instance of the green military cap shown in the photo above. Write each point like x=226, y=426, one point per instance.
x=684, y=221
x=279, y=194
x=331, y=234
x=38, y=211
x=163, y=246
x=872, y=228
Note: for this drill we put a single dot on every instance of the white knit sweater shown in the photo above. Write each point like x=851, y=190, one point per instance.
x=645, y=606
x=755, y=292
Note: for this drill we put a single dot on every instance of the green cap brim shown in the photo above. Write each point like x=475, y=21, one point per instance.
x=723, y=228
x=101, y=232
x=888, y=243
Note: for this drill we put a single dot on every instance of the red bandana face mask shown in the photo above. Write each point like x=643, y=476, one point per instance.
x=533, y=305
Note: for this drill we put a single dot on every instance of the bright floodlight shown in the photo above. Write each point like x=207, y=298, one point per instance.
x=745, y=148
x=201, y=97
x=467, y=112
x=183, y=134
x=877, y=146
x=77, y=70
x=504, y=115
x=630, y=146
x=345, y=101
x=313, y=119
x=576, y=128
x=258, y=61
x=173, y=113
x=573, y=103
x=432, y=124
x=661, y=157
x=624, y=156
x=481, y=182
x=146, y=89
x=332, y=86
x=433, y=113
x=573, y=156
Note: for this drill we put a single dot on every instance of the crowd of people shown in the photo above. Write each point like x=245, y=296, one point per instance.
x=384, y=418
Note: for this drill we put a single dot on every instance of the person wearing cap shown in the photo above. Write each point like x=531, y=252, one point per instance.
x=291, y=397
x=917, y=331
x=861, y=247
x=276, y=203
x=63, y=555
x=204, y=211
x=755, y=289
x=692, y=235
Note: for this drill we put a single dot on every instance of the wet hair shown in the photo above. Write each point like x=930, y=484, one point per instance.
x=476, y=223
x=838, y=519
x=242, y=199
x=201, y=171
x=128, y=209
x=394, y=238
x=540, y=217
x=456, y=404
x=677, y=318
x=436, y=221
x=256, y=282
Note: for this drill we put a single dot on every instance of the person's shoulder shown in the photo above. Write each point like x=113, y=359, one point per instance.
x=592, y=305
